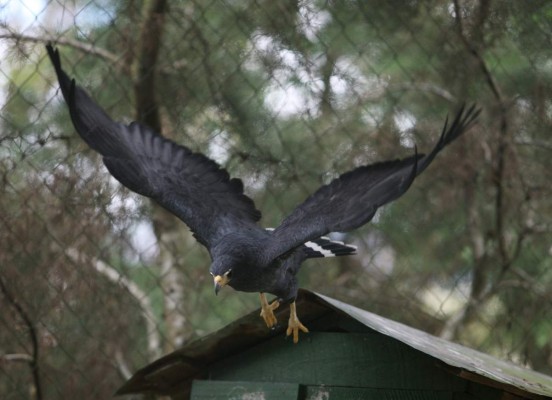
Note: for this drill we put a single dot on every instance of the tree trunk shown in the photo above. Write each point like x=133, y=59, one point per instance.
x=167, y=228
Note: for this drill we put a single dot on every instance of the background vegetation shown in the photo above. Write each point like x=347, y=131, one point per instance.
x=96, y=282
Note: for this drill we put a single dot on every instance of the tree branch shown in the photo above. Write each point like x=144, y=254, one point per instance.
x=49, y=38
x=426, y=87
x=481, y=291
x=541, y=144
x=327, y=70
x=33, y=358
x=17, y=357
x=166, y=227
x=499, y=170
x=147, y=107
x=122, y=366
x=154, y=339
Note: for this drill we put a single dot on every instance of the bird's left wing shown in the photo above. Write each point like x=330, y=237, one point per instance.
x=352, y=199
x=188, y=184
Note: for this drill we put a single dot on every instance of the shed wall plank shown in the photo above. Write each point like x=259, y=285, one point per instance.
x=346, y=393
x=338, y=359
x=219, y=390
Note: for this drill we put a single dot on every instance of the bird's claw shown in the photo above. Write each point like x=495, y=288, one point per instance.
x=294, y=325
x=267, y=311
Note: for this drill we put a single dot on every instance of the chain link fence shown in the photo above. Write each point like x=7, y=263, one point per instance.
x=96, y=282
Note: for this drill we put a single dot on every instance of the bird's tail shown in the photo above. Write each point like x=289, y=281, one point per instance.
x=325, y=247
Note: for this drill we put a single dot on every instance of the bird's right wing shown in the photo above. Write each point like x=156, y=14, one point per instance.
x=188, y=184
x=352, y=199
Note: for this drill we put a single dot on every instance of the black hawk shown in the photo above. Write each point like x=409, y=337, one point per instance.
x=197, y=190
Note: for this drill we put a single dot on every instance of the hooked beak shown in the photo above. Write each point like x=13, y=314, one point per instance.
x=220, y=282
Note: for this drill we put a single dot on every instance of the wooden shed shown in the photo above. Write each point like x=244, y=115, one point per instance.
x=348, y=354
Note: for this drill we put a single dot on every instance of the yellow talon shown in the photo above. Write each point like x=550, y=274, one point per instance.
x=294, y=325
x=267, y=311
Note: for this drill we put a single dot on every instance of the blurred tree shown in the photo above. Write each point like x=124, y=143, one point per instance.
x=286, y=95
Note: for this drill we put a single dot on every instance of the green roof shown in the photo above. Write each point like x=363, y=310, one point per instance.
x=175, y=372
x=450, y=353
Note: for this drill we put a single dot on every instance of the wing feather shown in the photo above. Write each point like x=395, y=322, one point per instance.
x=352, y=199
x=188, y=184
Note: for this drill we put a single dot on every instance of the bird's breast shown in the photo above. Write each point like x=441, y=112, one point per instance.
x=269, y=279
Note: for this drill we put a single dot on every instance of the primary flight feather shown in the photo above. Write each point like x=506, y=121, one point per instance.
x=197, y=190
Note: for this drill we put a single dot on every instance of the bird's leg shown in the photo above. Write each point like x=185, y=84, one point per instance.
x=267, y=311
x=294, y=325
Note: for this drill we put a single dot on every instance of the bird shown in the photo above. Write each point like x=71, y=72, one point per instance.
x=244, y=255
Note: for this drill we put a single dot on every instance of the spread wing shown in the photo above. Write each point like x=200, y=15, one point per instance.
x=188, y=184
x=352, y=199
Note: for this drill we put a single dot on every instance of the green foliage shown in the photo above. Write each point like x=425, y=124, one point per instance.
x=368, y=80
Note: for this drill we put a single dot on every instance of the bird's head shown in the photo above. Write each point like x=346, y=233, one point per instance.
x=222, y=280
x=222, y=272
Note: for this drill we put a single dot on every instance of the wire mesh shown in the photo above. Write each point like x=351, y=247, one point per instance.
x=97, y=281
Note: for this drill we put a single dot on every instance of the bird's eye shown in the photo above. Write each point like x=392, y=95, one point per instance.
x=228, y=274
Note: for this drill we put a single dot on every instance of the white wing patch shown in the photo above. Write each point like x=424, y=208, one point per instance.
x=325, y=247
x=323, y=252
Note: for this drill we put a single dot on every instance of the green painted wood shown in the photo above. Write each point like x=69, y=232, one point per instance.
x=482, y=392
x=338, y=359
x=338, y=322
x=347, y=393
x=465, y=396
x=218, y=390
